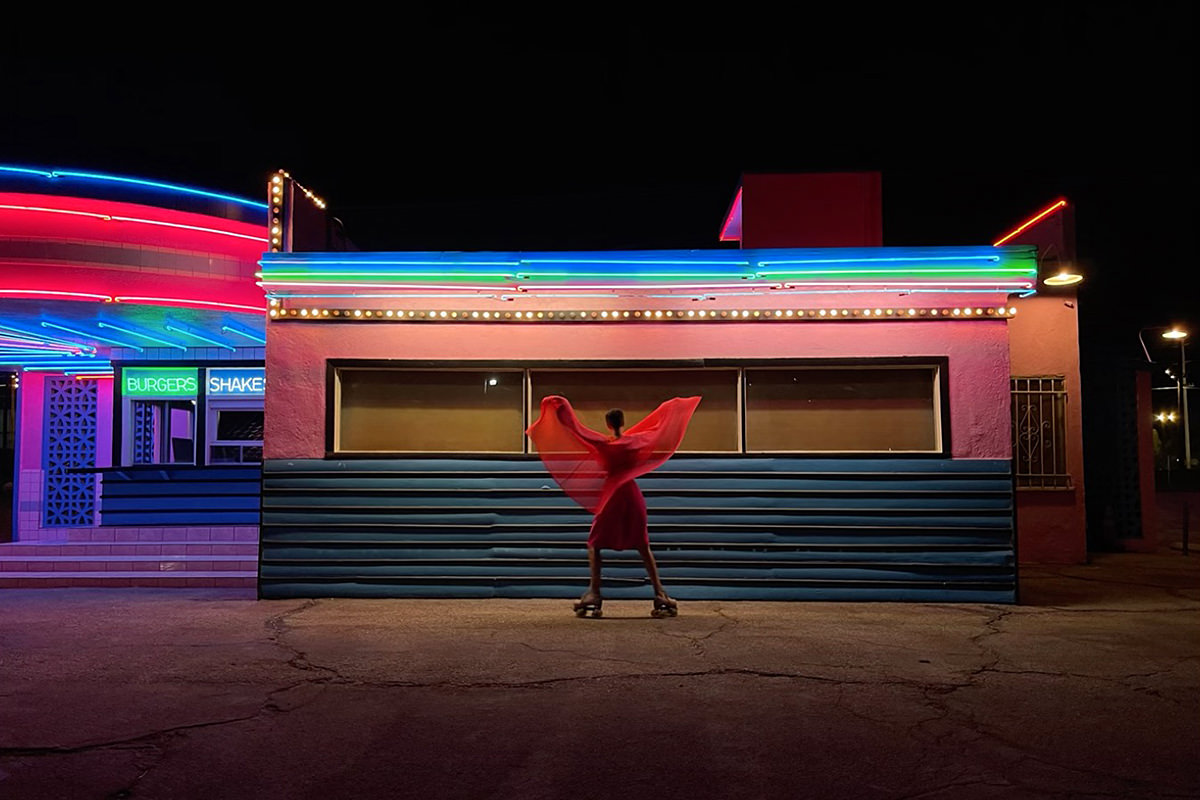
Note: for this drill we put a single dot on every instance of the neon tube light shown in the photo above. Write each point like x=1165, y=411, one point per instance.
x=185, y=301
x=49, y=343
x=186, y=331
x=54, y=293
x=735, y=211
x=138, y=220
x=36, y=336
x=1035, y=219
x=142, y=334
x=170, y=187
x=87, y=335
x=230, y=327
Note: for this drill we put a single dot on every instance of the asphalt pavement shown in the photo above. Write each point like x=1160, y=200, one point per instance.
x=1089, y=688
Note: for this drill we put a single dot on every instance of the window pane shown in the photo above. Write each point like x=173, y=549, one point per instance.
x=638, y=392
x=430, y=411
x=163, y=431
x=241, y=426
x=853, y=409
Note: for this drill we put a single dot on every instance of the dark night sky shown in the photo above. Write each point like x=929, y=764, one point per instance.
x=505, y=133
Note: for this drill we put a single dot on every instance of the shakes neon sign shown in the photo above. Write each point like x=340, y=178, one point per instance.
x=159, y=382
x=233, y=382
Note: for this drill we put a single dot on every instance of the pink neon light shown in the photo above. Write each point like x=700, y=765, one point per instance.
x=117, y=218
x=1030, y=222
x=646, y=286
x=98, y=376
x=53, y=293
x=990, y=286
x=735, y=210
x=185, y=302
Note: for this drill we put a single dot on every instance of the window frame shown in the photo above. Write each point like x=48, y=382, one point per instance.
x=938, y=364
x=1059, y=399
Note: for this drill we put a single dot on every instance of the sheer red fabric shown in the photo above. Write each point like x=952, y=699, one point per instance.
x=598, y=471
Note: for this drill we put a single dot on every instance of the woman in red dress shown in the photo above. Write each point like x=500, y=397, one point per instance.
x=598, y=472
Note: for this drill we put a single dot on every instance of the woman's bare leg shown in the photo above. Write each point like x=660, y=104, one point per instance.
x=595, y=562
x=652, y=571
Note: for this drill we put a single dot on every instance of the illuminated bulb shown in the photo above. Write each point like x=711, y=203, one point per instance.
x=1012, y=310
x=878, y=312
x=316, y=312
x=357, y=313
x=778, y=313
x=788, y=312
x=866, y=312
x=691, y=313
x=487, y=314
x=658, y=313
x=442, y=314
x=273, y=301
x=1000, y=310
x=518, y=315
x=822, y=312
x=627, y=313
x=912, y=312
x=604, y=314
x=539, y=315
x=978, y=312
x=389, y=312
x=703, y=313
x=273, y=312
x=276, y=179
x=304, y=312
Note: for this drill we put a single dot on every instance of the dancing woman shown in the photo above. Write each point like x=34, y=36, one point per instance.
x=598, y=472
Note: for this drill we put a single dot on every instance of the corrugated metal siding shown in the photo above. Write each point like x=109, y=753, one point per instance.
x=152, y=496
x=740, y=529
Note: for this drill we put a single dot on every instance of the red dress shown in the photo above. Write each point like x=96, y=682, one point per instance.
x=598, y=471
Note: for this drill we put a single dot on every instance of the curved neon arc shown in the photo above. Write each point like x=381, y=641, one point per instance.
x=185, y=301
x=118, y=218
x=171, y=187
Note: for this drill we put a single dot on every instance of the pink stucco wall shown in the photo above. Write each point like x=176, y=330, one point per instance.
x=30, y=471
x=977, y=352
x=1044, y=340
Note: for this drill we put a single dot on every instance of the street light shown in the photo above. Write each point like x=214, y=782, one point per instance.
x=1177, y=334
x=1180, y=335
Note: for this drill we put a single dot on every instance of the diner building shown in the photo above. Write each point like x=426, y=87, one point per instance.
x=131, y=354
x=877, y=423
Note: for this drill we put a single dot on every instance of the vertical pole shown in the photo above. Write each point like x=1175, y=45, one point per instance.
x=1183, y=394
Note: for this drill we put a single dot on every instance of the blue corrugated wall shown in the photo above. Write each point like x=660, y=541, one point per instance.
x=736, y=528
x=166, y=495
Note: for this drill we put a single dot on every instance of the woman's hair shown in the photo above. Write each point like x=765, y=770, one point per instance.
x=615, y=419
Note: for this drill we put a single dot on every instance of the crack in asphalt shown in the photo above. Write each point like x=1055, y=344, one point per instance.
x=697, y=642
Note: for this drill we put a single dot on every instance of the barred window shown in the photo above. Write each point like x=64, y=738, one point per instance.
x=1039, y=426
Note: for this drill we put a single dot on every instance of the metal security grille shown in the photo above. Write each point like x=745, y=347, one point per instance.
x=1039, y=406
x=70, y=442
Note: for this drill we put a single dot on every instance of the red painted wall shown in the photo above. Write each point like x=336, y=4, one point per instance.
x=1044, y=341
x=832, y=209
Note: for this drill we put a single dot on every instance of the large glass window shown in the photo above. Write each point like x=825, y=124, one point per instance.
x=593, y=392
x=235, y=435
x=163, y=431
x=813, y=409
x=859, y=409
x=392, y=410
